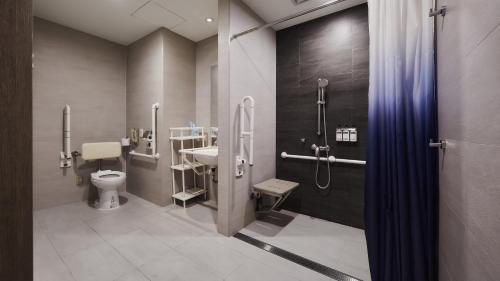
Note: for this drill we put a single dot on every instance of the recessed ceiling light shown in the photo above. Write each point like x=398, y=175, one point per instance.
x=209, y=19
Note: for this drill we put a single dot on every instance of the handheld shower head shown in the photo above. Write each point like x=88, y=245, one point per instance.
x=322, y=82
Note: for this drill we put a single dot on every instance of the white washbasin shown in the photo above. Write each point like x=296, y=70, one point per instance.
x=204, y=155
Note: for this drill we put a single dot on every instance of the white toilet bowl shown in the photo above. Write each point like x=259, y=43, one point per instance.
x=107, y=183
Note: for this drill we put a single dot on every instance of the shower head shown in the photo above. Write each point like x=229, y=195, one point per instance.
x=322, y=82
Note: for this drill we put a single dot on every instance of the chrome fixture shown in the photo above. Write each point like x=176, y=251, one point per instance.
x=322, y=84
x=441, y=144
x=440, y=12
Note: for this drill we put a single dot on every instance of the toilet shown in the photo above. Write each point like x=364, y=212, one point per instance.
x=107, y=181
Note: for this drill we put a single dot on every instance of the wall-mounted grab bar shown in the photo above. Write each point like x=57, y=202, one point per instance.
x=154, y=155
x=66, y=158
x=240, y=159
x=332, y=159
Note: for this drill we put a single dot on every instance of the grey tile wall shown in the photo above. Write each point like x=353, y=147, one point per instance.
x=161, y=68
x=247, y=67
x=206, y=58
x=145, y=86
x=469, y=104
x=89, y=74
x=333, y=47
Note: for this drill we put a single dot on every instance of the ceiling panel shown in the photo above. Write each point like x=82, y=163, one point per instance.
x=157, y=15
x=113, y=20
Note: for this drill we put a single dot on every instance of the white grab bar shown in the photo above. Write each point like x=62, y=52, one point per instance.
x=248, y=133
x=240, y=158
x=153, y=155
x=332, y=159
x=66, y=158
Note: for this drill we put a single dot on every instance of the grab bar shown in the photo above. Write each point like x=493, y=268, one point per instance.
x=332, y=159
x=240, y=159
x=154, y=154
x=66, y=157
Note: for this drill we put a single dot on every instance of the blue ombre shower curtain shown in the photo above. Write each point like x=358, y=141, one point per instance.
x=401, y=174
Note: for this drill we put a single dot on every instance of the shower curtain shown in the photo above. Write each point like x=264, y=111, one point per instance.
x=401, y=174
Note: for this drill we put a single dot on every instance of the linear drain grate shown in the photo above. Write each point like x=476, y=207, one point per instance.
x=312, y=265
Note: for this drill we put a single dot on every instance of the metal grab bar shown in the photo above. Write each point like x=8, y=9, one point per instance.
x=331, y=159
x=441, y=144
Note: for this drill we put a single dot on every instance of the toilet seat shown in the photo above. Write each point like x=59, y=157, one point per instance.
x=107, y=176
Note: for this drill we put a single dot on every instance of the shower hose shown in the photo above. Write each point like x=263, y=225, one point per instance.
x=318, y=152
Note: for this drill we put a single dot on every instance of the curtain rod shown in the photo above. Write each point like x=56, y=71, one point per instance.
x=287, y=18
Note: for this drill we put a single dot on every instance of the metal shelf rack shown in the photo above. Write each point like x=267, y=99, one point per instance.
x=181, y=135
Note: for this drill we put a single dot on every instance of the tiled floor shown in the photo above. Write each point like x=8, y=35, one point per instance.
x=141, y=241
x=337, y=246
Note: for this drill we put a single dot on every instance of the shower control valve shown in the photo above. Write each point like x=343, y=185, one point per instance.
x=317, y=149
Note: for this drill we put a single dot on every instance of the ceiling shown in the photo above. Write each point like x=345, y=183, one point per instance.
x=125, y=21
x=276, y=9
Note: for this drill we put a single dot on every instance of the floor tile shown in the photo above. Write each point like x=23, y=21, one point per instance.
x=97, y=263
x=133, y=276
x=172, y=232
x=259, y=255
x=47, y=265
x=201, y=216
x=74, y=242
x=214, y=252
x=72, y=239
x=174, y=266
x=334, y=245
x=116, y=224
x=255, y=271
x=58, y=217
x=138, y=247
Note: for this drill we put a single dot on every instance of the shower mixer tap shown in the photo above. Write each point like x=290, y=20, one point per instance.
x=317, y=149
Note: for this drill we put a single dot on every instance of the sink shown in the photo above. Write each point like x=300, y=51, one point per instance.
x=204, y=155
x=207, y=156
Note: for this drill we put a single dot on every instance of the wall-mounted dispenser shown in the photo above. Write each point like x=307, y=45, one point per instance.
x=346, y=134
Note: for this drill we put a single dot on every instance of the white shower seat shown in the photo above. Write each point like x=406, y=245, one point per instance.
x=276, y=188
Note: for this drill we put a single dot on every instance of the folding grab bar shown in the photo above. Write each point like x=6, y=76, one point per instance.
x=154, y=155
x=240, y=159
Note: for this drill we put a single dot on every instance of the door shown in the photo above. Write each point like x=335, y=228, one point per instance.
x=16, y=227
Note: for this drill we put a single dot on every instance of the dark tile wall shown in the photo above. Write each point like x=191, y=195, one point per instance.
x=334, y=47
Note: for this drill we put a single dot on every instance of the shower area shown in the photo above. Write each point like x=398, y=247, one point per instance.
x=310, y=82
x=322, y=88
